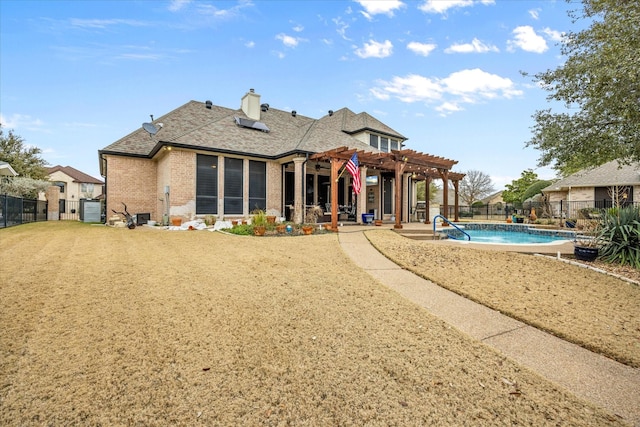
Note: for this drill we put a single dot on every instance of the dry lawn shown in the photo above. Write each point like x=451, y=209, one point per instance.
x=588, y=308
x=104, y=326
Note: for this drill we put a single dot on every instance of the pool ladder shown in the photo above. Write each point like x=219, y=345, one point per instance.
x=449, y=222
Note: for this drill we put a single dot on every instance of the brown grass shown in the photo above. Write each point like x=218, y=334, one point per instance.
x=588, y=308
x=104, y=326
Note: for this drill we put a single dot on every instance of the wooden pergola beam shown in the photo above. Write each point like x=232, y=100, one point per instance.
x=425, y=166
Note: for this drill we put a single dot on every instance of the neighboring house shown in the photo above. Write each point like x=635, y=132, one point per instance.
x=601, y=187
x=493, y=199
x=202, y=159
x=74, y=184
x=7, y=170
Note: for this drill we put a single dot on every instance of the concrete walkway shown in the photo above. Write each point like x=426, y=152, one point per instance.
x=602, y=381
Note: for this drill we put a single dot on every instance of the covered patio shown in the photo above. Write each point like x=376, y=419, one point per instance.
x=408, y=167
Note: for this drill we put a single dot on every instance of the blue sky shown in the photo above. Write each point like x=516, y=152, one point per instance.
x=76, y=76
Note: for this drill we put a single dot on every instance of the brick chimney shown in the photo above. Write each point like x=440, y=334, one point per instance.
x=251, y=105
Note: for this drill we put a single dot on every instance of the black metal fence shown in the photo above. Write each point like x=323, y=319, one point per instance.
x=17, y=210
x=545, y=212
x=72, y=210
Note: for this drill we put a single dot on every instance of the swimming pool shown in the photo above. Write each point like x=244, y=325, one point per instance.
x=507, y=234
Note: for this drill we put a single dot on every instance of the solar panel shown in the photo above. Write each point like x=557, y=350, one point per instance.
x=251, y=124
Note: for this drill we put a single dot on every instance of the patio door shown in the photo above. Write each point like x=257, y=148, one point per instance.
x=387, y=194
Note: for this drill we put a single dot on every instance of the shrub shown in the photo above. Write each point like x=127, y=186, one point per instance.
x=621, y=231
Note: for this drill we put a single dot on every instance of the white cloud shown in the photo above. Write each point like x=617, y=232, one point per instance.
x=104, y=23
x=341, y=27
x=469, y=86
x=423, y=49
x=176, y=5
x=526, y=39
x=376, y=7
x=476, y=46
x=554, y=35
x=447, y=108
x=474, y=85
x=298, y=28
x=250, y=44
x=441, y=6
x=288, y=40
x=534, y=13
x=412, y=88
x=374, y=49
x=20, y=121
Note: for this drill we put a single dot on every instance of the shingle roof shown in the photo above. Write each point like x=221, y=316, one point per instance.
x=611, y=173
x=195, y=126
x=74, y=174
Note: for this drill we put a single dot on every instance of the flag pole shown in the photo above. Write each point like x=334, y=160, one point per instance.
x=344, y=167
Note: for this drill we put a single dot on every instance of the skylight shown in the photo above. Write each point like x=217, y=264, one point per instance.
x=251, y=124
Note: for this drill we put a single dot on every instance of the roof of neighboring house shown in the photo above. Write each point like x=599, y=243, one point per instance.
x=611, y=173
x=7, y=170
x=74, y=174
x=490, y=198
x=193, y=125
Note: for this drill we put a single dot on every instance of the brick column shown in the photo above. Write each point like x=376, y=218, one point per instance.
x=53, y=203
x=298, y=199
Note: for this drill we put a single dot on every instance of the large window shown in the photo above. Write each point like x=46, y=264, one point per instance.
x=384, y=144
x=373, y=141
x=257, y=185
x=233, y=186
x=86, y=188
x=207, y=185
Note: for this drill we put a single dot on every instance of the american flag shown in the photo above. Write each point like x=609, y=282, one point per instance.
x=352, y=167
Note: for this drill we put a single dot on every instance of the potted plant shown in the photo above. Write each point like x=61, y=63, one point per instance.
x=587, y=244
x=310, y=218
x=259, y=222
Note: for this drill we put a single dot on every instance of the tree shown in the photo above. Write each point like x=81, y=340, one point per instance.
x=535, y=189
x=20, y=186
x=515, y=191
x=474, y=186
x=24, y=160
x=433, y=189
x=599, y=83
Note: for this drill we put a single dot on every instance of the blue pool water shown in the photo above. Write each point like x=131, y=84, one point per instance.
x=508, y=234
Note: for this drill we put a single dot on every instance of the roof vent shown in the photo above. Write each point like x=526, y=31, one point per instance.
x=330, y=113
x=294, y=113
x=264, y=107
x=252, y=90
x=208, y=104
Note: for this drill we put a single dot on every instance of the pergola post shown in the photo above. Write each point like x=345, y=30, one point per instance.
x=400, y=165
x=455, y=186
x=444, y=173
x=427, y=198
x=335, y=168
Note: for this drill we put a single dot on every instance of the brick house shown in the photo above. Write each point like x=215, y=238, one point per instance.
x=607, y=185
x=202, y=159
x=74, y=184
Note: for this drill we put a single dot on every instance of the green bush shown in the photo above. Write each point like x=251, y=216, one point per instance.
x=621, y=231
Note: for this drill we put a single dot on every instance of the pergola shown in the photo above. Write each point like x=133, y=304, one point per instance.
x=421, y=166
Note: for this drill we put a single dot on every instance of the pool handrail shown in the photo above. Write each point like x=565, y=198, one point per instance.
x=455, y=226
